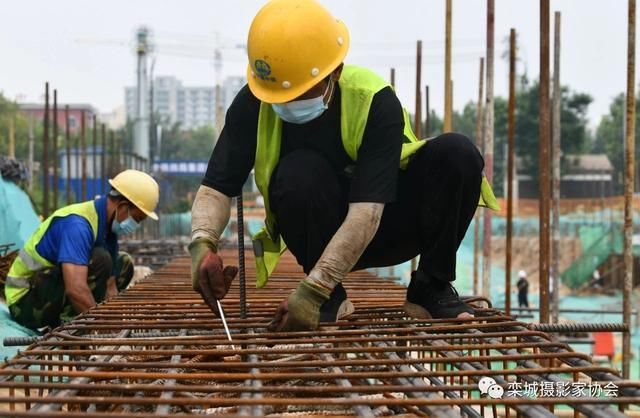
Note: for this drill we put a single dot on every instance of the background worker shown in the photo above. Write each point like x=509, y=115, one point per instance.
x=523, y=289
x=71, y=262
x=346, y=184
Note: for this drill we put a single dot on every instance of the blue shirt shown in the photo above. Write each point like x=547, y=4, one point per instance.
x=70, y=239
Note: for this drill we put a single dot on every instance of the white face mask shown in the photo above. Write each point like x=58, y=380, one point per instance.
x=303, y=111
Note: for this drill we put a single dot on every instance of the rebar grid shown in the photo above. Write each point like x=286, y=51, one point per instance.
x=157, y=350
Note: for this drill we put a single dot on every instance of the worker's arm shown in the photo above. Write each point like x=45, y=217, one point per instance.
x=209, y=217
x=301, y=311
x=76, y=287
x=348, y=244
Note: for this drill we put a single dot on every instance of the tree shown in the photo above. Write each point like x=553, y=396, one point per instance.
x=610, y=139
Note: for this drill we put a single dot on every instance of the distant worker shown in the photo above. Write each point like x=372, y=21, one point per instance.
x=71, y=262
x=597, y=281
x=346, y=184
x=523, y=289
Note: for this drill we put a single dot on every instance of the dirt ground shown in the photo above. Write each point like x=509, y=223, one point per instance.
x=525, y=255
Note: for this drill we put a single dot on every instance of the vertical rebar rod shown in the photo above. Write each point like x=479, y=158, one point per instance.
x=55, y=150
x=45, y=154
x=476, y=223
x=555, y=126
x=241, y=269
x=112, y=153
x=543, y=166
x=488, y=149
x=67, y=140
x=427, y=110
x=447, y=123
x=417, y=124
x=630, y=136
x=392, y=78
x=103, y=160
x=77, y=185
x=94, y=169
x=511, y=128
x=83, y=148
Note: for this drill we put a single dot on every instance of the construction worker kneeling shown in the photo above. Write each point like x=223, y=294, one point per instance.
x=71, y=262
x=346, y=183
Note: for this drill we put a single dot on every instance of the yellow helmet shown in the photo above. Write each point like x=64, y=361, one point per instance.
x=292, y=46
x=140, y=189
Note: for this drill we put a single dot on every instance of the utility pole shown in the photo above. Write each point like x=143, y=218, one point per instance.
x=217, y=63
x=141, y=138
x=392, y=78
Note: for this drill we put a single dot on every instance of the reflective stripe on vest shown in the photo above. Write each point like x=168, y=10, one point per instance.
x=18, y=282
x=29, y=261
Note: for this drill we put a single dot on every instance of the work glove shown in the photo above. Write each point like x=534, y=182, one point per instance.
x=301, y=310
x=208, y=277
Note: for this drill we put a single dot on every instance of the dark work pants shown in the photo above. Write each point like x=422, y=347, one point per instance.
x=46, y=303
x=437, y=196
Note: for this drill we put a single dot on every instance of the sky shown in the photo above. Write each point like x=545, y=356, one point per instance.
x=85, y=48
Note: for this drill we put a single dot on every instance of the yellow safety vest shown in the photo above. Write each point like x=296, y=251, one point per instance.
x=29, y=261
x=358, y=86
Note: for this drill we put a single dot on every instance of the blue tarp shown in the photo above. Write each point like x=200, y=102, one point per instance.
x=18, y=219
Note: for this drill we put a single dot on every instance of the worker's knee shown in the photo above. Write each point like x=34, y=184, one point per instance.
x=454, y=152
x=100, y=264
x=124, y=270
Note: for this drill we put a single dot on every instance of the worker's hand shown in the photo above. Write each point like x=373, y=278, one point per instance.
x=301, y=310
x=208, y=276
x=112, y=288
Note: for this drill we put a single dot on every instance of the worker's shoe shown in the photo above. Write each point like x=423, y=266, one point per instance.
x=337, y=307
x=430, y=298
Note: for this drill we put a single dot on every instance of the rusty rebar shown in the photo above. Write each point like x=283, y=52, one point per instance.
x=477, y=217
x=417, y=117
x=67, y=141
x=45, y=154
x=83, y=153
x=448, y=96
x=157, y=348
x=55, y=151
x=94, y=160
x=488, y=149
x=556, y=154
x=511, y=129
x=630, y=136
x=543, y=163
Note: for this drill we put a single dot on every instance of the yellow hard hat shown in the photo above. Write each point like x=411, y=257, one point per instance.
x=292, y=46
x=140, y=189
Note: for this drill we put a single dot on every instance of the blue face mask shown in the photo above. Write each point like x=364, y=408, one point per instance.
x=128, y=226
x=303, y=111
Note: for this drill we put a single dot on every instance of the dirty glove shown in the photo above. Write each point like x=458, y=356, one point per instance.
x=301, y=311
x=207, y=275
